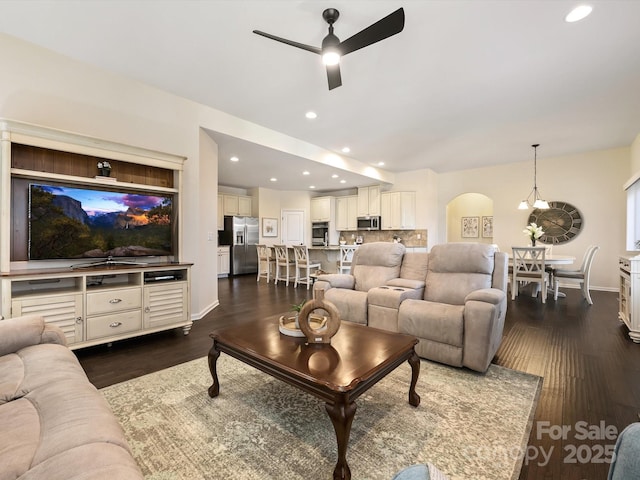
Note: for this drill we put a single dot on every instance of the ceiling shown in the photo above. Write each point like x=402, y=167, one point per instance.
x=468, y=83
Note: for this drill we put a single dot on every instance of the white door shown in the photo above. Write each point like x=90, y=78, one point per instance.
x=292, y=227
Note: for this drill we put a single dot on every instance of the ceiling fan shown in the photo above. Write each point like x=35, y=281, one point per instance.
x=332, y=48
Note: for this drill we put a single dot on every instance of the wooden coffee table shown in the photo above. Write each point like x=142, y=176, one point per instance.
x=357, y=359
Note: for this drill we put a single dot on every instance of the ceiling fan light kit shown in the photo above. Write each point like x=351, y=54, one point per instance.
x=538, y=202
x=333, y=49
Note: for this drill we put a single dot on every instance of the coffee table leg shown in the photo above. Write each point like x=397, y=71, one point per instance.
x=342, y=416
x=214, y=353
x=414, y=361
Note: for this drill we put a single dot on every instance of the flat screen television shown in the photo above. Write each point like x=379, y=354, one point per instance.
x=72, y=223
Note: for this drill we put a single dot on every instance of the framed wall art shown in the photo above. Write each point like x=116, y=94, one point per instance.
x=470, y=227
x=487, y=227
x=269, y=227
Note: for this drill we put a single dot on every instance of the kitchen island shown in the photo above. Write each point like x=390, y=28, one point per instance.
x=327, y=257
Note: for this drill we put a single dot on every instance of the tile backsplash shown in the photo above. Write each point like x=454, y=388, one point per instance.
x=409, y=238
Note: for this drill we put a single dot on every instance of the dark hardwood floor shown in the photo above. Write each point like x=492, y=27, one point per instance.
x=591, y=368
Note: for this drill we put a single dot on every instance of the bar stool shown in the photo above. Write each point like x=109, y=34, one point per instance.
x=283, y=263
x=266, y=264
x=346, y=257
x=303, y=264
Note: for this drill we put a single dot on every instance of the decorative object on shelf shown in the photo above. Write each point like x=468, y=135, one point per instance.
x=534, y=232
x=537, y=201
x=487, y=227
x=561, y=222
x=269, y=227
x=105, y=168
x=330, y=328
x=470, y=227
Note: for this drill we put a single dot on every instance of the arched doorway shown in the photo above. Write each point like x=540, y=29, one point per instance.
x=470, y=218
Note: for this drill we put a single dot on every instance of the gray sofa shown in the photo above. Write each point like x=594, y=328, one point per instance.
x=54, y=424
x=453, y=299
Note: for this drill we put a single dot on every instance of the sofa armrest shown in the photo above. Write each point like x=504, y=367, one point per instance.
x=488, y=295
x=339, y=280
x=484, y=314
x=21, y=332
x=406, y=283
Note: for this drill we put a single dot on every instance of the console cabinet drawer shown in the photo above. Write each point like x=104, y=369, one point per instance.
x=115, y=324
x=114, y=300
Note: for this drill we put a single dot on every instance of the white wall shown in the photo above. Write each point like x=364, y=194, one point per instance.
x=591, y=181
x=468, y=205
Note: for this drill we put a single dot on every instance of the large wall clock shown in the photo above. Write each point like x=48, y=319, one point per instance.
x=560, y=223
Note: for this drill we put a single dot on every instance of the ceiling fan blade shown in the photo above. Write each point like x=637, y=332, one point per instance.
x=333, y=75
x=309, y=48
x=385, y=28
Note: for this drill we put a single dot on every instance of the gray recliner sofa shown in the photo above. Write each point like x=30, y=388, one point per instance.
x=373, y=265
x=460, y=319
x=453, y=299
x=54, y=424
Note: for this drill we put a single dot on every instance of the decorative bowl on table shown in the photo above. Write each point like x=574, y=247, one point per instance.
x=287, y=324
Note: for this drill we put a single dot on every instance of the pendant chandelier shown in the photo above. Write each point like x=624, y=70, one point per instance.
x=537, y=201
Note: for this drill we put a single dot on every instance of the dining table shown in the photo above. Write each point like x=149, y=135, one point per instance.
x=551, y=261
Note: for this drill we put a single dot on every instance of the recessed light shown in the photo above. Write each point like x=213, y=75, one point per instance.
x=381, y=164
x=273, y=179
x=578, y=13
x=311, y=115
x=306, y=173
x=234, y=159
x=312, y=186
x=343, y=181
x=335, y=175
x=346, y=149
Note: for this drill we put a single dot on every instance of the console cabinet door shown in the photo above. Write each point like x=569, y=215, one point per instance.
x=63, y=311
x=165, y=304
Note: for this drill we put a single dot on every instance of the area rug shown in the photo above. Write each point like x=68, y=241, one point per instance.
x=470, y=425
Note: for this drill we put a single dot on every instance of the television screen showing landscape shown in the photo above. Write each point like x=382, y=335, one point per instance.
x=66, y=222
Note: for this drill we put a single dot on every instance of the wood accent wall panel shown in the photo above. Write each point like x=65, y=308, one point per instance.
x=39, y=159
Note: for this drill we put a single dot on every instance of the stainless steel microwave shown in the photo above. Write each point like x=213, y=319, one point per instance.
x=369, y=223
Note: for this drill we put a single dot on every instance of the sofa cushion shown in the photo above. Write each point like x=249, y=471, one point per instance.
x=351, y=304
x=414, y=265
x=20, y=437
x=439, y=322
x=456, y=269
x=374, y=264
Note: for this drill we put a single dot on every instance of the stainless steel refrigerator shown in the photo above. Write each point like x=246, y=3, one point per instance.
x=242, y=235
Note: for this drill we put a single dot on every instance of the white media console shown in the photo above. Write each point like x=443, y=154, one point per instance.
x=93, y=304
x=102, y=304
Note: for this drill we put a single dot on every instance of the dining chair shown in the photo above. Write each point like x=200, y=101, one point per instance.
x=581, y=276
x=346, y=257
x=266, y=264
x=529, y=267
x=283, y=263
x=303, y=265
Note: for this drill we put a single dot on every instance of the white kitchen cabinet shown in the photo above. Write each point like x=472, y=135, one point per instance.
x=369, y=201
x=224, y=258
x=237, y=205
x=322, y=209
x=398, y=210
x=347, y=213
x=244, y=206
